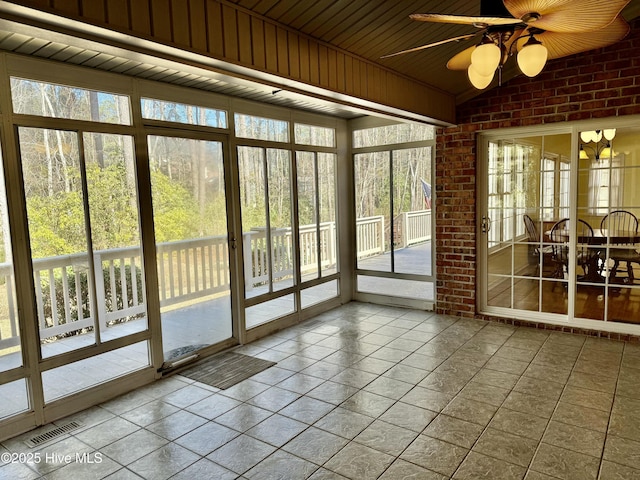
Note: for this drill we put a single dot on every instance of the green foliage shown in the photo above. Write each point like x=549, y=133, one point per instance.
x=175, y=211
x=114, y=219
x=56, y=224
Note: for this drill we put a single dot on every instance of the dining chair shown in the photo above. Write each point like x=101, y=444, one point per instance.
x=616, y=222
x=585, y=255
x=536, y=250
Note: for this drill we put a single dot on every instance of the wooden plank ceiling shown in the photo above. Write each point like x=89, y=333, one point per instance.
x=373, y=28
x=367, y=29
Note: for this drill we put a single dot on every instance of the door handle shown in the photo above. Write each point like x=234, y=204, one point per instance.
x=486, y=224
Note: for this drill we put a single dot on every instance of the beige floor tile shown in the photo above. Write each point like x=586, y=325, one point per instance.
x=358, y=394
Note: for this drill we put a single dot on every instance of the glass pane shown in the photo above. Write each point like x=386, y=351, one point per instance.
x=113, y=206
x=390, y=134
x=412, y=210
x=74, y=377
x=526, y=294
x=10, y=349
x=60, y=101
x=182, y=113
x=500, y=261
x=265, y=197
x=270, y=310
x=319, y=293
x=251, y=165
x=58, y=235
x=280, y=223
x=13, y=398
x=373, y=235
x=555, y=298
x=258, y=128
x=499, y=291
x=316, y=213
x=313, y=135
x=308, y=214
x=328, y=232
x=622, y=305
x=189, y=212
x=396, y=286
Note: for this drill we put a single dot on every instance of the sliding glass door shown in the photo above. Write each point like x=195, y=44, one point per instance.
x=527, y=193
x=84, y=231
x=559, y=226
x=192, y=244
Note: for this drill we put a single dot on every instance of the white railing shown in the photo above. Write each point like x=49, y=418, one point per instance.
x=370, y=236
x=187, y=270
x=416, y=227
x=191, y=269
x=9, y=334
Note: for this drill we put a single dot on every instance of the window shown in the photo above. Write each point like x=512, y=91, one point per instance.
x=391, y=134
x=393, y=201
x=182, y=113
x=509, y=192
x=259, y=128
x=605, y=184
x=316, y=136
x=548, y=188
x=565, y=179
x=30, y=97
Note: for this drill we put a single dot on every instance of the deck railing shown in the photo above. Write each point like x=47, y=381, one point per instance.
x=187, y=270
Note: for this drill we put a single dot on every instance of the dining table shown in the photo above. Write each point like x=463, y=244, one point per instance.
x=600, y=238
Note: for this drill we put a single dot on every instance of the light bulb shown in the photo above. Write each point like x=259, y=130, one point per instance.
x=532, y=57
x=479, y=81
x=485, y=58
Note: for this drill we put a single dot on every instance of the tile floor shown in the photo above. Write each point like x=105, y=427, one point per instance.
x=366, y=392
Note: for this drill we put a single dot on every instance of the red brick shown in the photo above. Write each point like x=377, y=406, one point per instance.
x=599, y=84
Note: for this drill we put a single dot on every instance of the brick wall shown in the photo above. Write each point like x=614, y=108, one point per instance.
x=597, y=84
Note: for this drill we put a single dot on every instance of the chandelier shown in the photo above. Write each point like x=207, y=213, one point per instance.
x=601, y=140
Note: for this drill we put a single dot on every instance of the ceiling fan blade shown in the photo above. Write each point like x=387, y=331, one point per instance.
x=422, y=47
x=462, y=20
x=564, y=44
x=567, y=15
x=462, y=60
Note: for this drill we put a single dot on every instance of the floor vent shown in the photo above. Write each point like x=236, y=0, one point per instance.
x=52, y=434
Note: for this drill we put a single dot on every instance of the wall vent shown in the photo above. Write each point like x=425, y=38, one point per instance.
x=52, y=434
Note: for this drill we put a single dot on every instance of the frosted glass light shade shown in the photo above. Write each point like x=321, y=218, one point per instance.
x=479, y=81
x=583, y=154
x=532, y=57
x=609, y=133
x=607, y=152
x=486, y=58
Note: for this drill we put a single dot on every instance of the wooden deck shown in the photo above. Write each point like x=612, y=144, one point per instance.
x=185, y=326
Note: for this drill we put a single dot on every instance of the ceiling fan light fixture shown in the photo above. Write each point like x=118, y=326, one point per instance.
x=532, y=57
x=486, y=57
x=479, y=81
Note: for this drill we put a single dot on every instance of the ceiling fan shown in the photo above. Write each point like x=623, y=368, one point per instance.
x=535, y=30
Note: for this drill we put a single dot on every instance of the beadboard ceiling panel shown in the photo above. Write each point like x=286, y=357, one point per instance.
x=373, y=28
x=364, y=29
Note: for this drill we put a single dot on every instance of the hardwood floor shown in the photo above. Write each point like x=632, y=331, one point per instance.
x=543, y=294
